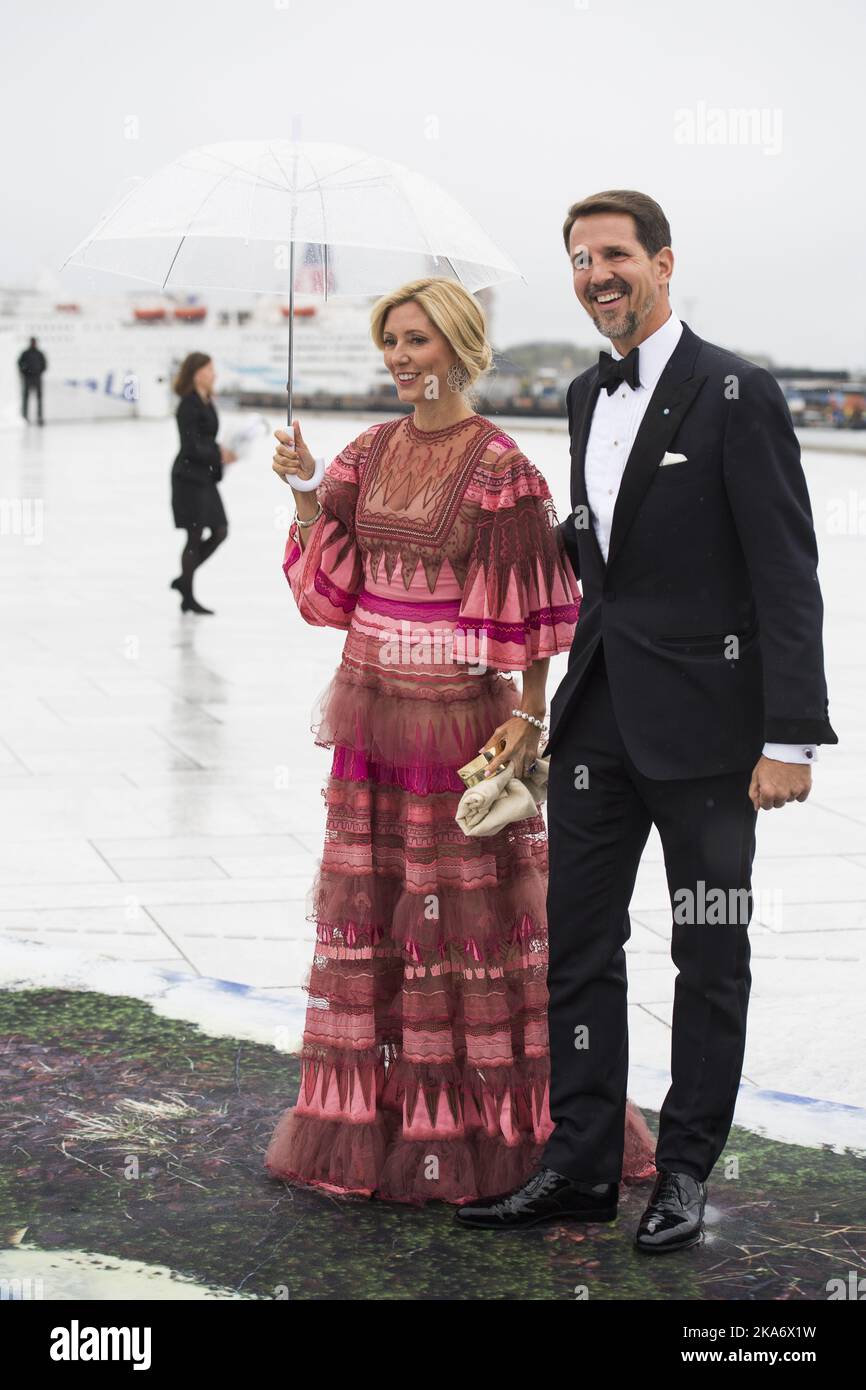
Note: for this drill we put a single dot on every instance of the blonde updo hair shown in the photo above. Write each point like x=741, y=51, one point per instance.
x=450, y=308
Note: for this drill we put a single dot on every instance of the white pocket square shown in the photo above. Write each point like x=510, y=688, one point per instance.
x=673, y=458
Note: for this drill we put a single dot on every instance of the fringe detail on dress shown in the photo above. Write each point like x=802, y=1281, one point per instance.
x=413, y=1135
x=472, y=925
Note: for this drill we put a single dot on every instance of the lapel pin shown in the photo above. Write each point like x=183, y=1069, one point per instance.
x=666, y=411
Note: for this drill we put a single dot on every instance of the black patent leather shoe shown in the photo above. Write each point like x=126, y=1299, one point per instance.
x=674, y=1217
x=544, y=1196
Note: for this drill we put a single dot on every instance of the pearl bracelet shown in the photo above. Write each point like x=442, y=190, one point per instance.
x=312, y=518
x=539, y=724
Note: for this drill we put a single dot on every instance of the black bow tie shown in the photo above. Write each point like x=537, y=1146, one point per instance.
x=612, y=371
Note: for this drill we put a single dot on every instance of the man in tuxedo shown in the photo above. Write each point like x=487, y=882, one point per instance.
x=695, y=696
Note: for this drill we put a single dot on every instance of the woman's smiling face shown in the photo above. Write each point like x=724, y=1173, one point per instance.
x=416, y=353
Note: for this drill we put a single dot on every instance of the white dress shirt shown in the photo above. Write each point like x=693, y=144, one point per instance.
x=615, y=422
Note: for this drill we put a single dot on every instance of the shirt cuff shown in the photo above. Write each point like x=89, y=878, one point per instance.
x=791, y=752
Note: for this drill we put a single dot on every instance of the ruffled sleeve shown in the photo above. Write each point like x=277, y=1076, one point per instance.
x=520, y=599
x=326, y=573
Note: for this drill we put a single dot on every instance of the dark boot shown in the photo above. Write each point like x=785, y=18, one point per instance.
x=191, y=605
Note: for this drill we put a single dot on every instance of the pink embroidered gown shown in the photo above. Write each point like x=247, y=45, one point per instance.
x=425, y=1064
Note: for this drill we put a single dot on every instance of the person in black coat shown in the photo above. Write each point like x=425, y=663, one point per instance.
x=31, y=364
x=198, y=467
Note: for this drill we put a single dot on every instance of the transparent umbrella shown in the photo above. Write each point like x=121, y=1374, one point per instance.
x=230, y=216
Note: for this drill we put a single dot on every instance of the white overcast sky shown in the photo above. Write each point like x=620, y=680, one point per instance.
x=535, y=105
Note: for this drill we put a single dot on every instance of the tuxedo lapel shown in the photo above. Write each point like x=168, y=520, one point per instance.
x=581, y=423
x=674, y=393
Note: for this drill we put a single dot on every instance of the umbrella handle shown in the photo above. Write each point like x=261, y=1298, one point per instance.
x=307, y=484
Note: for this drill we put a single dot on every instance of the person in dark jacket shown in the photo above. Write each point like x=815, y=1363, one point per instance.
x=198, y=467
x=31, y=364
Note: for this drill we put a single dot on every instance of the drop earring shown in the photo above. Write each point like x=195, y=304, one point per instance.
x=457, y=377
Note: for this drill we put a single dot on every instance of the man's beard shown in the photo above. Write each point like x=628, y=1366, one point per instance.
x=628, y=325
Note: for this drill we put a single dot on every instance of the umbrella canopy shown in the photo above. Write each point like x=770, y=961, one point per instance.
x=226, y=216
x=229, y=216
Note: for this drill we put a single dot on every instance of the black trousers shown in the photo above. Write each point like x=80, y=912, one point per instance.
x=598, y=824
x=28, y=384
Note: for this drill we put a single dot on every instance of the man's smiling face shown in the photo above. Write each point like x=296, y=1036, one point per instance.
x=620, y=286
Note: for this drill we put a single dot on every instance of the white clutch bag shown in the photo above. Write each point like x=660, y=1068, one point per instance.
x=494, y=802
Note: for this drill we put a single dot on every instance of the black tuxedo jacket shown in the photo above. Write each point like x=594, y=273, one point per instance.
x=721, y=546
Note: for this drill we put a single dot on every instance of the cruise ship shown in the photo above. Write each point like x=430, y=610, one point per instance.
x=115, y=355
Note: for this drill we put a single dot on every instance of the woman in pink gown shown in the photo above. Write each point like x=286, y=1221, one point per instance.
x=425, y=1063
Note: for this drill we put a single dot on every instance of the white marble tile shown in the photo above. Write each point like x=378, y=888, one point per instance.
x=267, y=943
x=40, y=862
x=93, y=893
x=162, y=869
x=299, y=865
x=197, y=846
x=809, y=878
x=90, y=938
